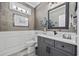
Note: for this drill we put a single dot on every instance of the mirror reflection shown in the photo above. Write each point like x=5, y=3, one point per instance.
x=57, y=16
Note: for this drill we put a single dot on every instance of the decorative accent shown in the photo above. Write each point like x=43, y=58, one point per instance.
x=51, y=24
x=52, y=3
x=74, y=18
x=45, y=29
x=20, y=20
x=44, y=23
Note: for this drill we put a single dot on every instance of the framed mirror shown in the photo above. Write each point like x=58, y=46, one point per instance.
x=58, y=17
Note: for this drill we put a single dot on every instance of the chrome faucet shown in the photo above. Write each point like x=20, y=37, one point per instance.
x=55, y=32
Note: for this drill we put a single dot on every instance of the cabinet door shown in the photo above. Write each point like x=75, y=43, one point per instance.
x=45, y=50
x=44, y=46
x=48, y=50
x=58, y=52
x=52, y=51
x=66, y=47
x=41, y=47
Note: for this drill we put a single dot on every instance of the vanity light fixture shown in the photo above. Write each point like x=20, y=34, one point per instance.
x=21, y=8
x=52, y=3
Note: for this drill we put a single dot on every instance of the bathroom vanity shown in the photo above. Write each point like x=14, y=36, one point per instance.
x=50, y=46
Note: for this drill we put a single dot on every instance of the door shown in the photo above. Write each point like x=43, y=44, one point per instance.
x=41, y=47
x=58, y=52
x=49, y=50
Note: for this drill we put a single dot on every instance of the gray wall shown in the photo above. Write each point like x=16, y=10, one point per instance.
x=6, y=18
x=42, y=11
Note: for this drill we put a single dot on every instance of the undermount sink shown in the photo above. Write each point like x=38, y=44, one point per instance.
x=59, y=35
x=52, y=35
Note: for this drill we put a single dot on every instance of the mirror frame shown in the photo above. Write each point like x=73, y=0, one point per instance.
x=66, y=16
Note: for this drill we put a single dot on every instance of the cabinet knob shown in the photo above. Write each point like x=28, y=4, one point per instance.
x=62, y=46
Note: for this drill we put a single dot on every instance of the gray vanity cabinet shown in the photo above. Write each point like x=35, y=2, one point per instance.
x=42, y=47
x=68, y=48
x=58, y=52
x=49, y=50
x=49, y=47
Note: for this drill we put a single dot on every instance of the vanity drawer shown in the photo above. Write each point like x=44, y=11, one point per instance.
x=65, y=47
x=49, y=41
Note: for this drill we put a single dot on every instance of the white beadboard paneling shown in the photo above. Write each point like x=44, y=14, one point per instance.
x=2, y=44
x=12, y=50
x=11, y=42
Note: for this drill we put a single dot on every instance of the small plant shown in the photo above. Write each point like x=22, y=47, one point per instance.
x=44, y=22
x=50, y=23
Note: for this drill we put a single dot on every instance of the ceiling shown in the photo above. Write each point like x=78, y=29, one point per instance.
x=33, y=4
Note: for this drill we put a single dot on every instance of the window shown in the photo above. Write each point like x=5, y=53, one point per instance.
x=20, y=8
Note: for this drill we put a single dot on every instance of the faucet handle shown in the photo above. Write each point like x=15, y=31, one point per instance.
x=69, y=36
x=55, y=32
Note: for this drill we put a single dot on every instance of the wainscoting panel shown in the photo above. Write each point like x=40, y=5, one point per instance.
x=15, y=41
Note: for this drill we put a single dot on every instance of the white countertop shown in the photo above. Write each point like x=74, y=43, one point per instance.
x=59, y=39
